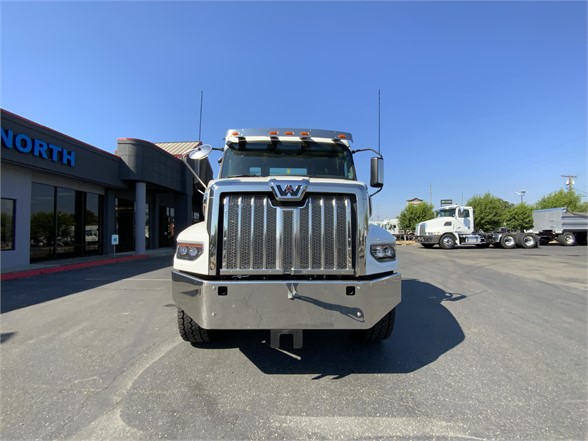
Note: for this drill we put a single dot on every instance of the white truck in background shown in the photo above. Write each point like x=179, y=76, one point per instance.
x=286, y=244
x=560, y=224
x=453, y=226
x=390, y=225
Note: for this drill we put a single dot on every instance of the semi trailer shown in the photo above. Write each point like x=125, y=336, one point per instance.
x=560, y=224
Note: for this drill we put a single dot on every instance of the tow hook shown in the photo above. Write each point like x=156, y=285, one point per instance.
x=292, y=294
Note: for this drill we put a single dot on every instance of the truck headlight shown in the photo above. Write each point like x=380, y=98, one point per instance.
x=383, y=252
x=189, y=251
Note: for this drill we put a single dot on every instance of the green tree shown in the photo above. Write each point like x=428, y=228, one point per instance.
x=413, y=214
x=488, y=211
x=562, y=198
x=519, y=217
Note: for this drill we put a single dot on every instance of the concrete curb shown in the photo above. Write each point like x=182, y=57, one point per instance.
x=68, y=267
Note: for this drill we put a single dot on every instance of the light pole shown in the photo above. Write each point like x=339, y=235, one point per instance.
x=521, y=194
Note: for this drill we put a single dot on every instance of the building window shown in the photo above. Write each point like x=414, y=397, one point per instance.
x=8, y=216
x=68, y=226
x=42, y=221
x=64, y=222
x=147, y=231
x=125, y=224
x=92, y=223
x=166, y=227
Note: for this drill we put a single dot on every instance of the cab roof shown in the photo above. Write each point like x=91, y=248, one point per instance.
x=292, y=133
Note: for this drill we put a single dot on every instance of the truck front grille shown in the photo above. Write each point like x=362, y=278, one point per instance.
x=260, y=238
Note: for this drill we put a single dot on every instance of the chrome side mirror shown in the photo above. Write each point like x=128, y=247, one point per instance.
x=377, y=172
x=197, y=153
x=200, y=152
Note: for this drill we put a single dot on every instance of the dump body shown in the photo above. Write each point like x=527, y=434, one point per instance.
x=558, y=220
x=560, y=224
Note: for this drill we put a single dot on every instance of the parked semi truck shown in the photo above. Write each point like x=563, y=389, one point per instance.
x=453, y=225
x=286, y=244
x=560, y=224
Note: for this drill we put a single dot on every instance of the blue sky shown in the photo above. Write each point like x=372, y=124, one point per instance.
x=475, y=96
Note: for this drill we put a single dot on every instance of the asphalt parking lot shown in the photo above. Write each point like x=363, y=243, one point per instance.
x=488, y=344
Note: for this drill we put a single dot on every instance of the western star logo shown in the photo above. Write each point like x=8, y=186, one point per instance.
x=291, y=191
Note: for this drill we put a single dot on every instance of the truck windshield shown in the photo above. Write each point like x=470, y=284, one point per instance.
x=310, y=159
x=449, y=212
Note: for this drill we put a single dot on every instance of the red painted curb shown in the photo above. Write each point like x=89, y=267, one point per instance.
x=70, y=267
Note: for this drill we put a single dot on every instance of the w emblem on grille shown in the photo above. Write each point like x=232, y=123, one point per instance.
x=291, y=191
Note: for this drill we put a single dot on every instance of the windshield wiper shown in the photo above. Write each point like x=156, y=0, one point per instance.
x=243, y=176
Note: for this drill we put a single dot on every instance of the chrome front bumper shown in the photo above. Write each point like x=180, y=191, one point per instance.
x=428, y=239
x=286, y=304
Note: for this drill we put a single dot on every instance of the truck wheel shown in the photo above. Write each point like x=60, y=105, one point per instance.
x=427, y=245
x=527, y=241
x=568, y=239
x=447, y=242
x=190, y=331
x=381, y=330
x=508, y=241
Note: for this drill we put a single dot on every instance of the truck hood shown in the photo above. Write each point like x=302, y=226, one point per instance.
x=267, y=179
x=288, y=188
x=433, y=226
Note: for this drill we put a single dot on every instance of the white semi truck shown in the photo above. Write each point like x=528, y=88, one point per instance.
x=453, y=225
x=286, y=244
x=560, y=224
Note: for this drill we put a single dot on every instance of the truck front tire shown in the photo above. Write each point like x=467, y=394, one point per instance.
x=381, y=330
x=447, y=242
x=190, y=330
